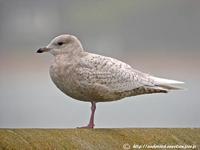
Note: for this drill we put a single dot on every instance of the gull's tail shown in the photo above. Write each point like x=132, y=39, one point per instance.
x=167, y=84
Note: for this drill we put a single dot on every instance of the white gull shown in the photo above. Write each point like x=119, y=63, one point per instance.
x=95, y=78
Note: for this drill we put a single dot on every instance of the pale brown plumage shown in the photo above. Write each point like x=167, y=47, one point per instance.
x=96, y=78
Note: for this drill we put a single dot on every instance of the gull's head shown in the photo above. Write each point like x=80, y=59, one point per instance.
x=63, y=44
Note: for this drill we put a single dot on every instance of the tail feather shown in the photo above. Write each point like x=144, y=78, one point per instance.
x=167, y=84
x=170, y=87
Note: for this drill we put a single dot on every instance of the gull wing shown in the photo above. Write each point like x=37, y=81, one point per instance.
x=113, y=74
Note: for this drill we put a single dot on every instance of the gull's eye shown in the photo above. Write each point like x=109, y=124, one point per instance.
x=60, y=43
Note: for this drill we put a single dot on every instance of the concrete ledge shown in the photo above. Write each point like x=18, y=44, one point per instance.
x=95, y=139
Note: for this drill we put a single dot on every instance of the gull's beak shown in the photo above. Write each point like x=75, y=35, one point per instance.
x=44, y=49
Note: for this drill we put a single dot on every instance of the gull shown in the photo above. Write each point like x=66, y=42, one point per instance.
x=95, y=78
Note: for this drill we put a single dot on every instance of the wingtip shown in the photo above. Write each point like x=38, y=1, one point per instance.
x=166, y=81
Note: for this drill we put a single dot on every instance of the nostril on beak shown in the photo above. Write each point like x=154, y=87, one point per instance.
x=40, y=50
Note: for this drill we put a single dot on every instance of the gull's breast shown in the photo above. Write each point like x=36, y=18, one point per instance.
x=63, y=76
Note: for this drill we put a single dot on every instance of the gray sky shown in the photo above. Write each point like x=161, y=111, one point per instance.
x=155, y=36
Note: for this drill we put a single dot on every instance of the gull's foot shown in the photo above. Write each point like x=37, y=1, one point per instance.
x=91, y=122
x=89, y=126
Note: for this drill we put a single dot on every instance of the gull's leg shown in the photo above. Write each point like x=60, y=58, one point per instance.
x=91, y=123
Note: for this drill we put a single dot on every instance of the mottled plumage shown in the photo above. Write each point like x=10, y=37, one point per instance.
x=98, y=78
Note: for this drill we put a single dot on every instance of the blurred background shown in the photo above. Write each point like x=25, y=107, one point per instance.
x=155, y=36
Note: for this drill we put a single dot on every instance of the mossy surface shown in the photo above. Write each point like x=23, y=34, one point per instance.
x=95, y=139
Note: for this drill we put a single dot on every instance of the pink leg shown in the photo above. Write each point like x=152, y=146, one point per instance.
x=91, y=123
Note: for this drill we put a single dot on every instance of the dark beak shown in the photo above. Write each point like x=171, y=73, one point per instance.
x=44, y=49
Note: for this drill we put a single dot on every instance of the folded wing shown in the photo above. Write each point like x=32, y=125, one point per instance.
x=111, y=73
